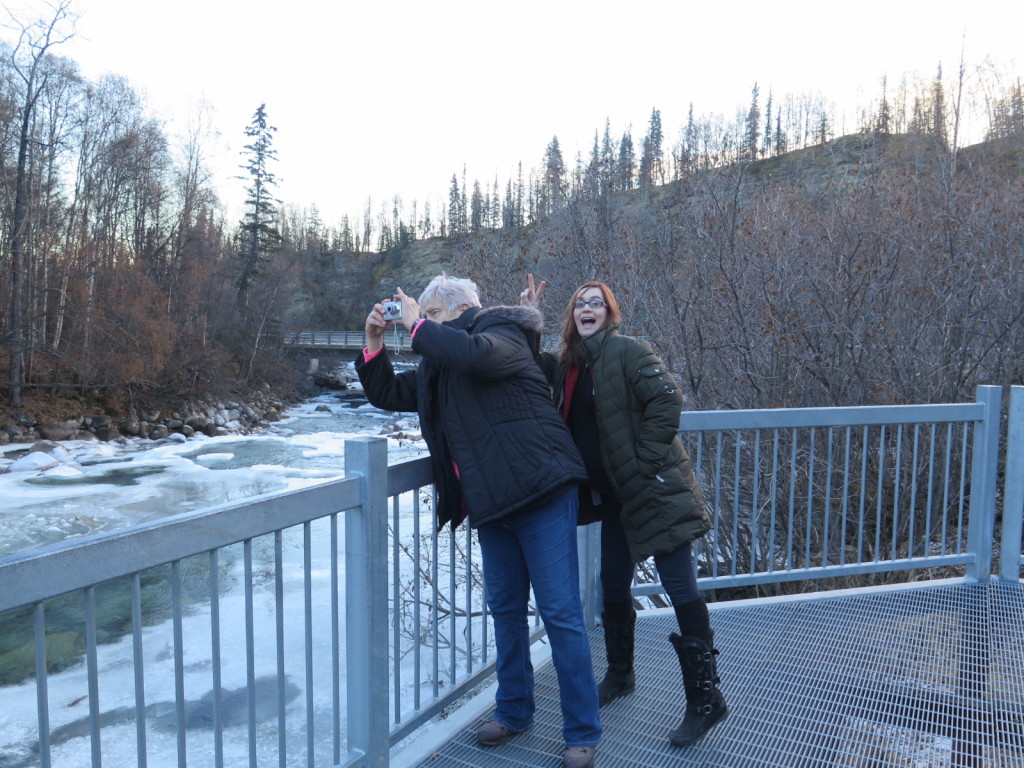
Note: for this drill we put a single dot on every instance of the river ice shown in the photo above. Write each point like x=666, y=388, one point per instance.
x=101, y=487
x=104, y=486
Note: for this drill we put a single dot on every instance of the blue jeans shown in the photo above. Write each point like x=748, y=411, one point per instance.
x=538, y=546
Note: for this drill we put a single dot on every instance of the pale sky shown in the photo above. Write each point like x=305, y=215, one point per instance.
x=377, y=98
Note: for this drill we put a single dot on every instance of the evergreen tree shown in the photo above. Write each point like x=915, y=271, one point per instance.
x=824, y=127
x=626, y=165
x=476, y=216
x=553, y=188
x=651, y=166
x=495, y=209
x=508, y=221
x=592, y=174
x=454, y=205
x=691, y=141
x=345, y=242
x=752, y=127
x=781, y=145
x=644, y=173
x=464, y=204
x=367, y=225
x=884, y=122
x=607, y=159
x=766, y=142
x=938, y=127
x=917, y=117
x=258, y=234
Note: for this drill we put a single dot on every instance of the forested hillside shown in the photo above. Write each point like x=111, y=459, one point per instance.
x=871, y=269
x=771, y=262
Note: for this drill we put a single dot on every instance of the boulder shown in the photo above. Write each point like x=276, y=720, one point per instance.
x=61, y=430
x=130, y=426
x=108, y=434
x=158, y=432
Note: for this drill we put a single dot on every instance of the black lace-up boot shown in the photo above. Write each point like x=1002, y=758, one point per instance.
x=705, y=705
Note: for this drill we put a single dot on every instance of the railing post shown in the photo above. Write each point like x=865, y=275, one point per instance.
x=1013, y=489
x=984, y=468
x=366, y=602
x=588, y=544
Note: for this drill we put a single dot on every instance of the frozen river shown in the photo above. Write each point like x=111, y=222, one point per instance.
x=105, y=486
x=102, y=487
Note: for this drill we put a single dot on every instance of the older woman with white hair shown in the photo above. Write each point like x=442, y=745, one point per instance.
x=503, y=458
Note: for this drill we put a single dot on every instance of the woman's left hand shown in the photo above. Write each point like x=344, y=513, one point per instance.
x=410, y=309
x=531, y=296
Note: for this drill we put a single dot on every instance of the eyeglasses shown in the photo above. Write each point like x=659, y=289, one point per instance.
x=593, y=304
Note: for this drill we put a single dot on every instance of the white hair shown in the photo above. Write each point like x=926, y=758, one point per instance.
x=451, y=292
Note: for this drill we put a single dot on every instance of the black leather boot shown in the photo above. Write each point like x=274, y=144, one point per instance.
x=705, y=705
x=619, y=628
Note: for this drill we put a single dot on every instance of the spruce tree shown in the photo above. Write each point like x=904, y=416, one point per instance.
x=626, y=164
x=884, y=122
x=454, y=209
x=258, y=235
x=554, y=186
x=749, y=151
x=651, y=170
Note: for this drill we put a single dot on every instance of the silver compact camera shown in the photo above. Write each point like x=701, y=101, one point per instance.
x=392, y=310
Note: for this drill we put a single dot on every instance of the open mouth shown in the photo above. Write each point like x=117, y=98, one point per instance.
x=587, y=322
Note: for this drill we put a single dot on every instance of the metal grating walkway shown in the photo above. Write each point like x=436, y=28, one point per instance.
x=924, y=677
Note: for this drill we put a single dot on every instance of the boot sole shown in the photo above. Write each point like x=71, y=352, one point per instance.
x=688, y=742
x=616, y=695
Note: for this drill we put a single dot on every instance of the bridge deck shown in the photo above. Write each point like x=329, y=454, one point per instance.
x=926, y=676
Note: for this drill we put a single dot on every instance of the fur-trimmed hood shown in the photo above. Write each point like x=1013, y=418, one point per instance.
x=526, y=317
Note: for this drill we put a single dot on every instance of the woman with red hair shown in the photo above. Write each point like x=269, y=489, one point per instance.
x=622, y=407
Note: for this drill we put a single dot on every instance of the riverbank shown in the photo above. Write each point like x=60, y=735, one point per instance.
x=46, y=416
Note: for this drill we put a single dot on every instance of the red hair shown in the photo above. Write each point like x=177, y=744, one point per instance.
x=570, y=334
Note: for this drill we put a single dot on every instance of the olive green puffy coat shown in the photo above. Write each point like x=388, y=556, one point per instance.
x=638, y=406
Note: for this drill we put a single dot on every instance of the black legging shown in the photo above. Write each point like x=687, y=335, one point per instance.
x=675, y=568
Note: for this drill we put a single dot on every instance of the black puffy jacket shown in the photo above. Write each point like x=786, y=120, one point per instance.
x=484, y=404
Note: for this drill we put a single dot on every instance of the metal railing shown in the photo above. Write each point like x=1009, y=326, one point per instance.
x=813, y=493
x=324, y=626
x=396, y=338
